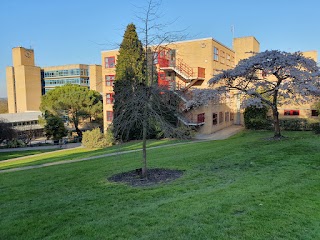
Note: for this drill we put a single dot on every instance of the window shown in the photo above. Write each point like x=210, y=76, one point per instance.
x=214, y=119
x=201, y=118
x=226, y=116
x=109, y=80
x=222, y=56
x=109, y=62
x=109, y=99
x=228, y=60
x=216, y=54
x=291, y=112
x=231, y=116
x=220, y=117
x=314, y=113
x=155, y=58
x=109, y=116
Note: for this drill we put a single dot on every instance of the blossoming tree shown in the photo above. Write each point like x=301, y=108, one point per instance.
x=271, y=78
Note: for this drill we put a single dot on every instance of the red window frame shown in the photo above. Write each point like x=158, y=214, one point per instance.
x=109, y=98
x=162, y=81
x=200, y=118
x=291, y=112
x=314, y=113
x=109, y=116
x=110, y=62
x=109, y=80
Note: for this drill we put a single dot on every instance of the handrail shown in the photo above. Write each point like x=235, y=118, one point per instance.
x=184, y=68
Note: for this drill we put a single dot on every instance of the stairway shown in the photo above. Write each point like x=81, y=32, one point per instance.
x=186, y=73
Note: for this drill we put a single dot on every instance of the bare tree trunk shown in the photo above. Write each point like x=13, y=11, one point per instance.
x=276, y=123
x=144, y=143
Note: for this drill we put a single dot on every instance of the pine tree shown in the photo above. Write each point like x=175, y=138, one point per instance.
x=130, y=77
x=77, y=102
x=54, y=127
x=131, y=61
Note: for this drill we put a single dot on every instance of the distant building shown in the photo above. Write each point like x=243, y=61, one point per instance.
x=26, y=83
x=24, y=123
x=181, y=66
x=185, y=65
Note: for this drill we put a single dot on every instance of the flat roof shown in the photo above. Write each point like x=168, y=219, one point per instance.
x=191, y=40
x=20, y=117
x=248, y=37
x=65, y=67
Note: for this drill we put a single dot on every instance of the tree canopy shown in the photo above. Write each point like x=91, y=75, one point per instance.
x=271, y=78
x=73, y=101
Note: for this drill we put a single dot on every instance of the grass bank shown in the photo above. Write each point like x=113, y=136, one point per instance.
x=71, y=154
x=245, y=187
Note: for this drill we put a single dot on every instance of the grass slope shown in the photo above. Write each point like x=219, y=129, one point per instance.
x=73, y=154
x=241, y=188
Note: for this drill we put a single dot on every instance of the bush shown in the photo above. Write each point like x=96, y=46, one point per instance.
x=109, y=136
x=96, y=139
x=15, y=143
x=295, y=124
x=256, y=118
x=315, y=127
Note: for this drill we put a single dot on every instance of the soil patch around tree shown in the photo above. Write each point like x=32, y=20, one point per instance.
x=280, y=138
x=154, y=176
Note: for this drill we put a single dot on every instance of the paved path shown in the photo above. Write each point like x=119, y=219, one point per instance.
x=220, y=135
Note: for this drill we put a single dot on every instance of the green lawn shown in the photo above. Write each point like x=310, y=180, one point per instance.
x=241, y=188
x=73, y=154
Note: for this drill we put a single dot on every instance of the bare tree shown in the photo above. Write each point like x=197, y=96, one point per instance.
x=140, y=103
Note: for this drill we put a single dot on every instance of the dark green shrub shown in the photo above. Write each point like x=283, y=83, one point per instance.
x=295, y=124
x=15, y=143
x=256, y=118
x=315, y=127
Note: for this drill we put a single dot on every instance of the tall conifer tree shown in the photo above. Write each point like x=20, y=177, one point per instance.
x=131, y=61
x=130, y=76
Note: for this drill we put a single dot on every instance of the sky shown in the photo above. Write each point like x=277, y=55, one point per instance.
x=71, y=32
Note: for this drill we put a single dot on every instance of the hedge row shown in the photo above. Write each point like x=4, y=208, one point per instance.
x=293, y=124
x=256, y=118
